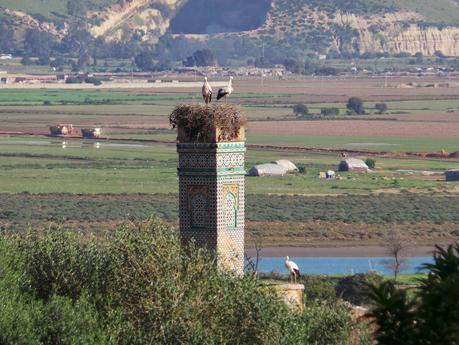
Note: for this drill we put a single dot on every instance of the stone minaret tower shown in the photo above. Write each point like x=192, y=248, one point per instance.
x=211, y=183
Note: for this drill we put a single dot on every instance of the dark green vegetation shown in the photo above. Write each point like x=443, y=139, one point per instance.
x=388, y=209
x=141, y=287
x=431, y=316
x=278, y=220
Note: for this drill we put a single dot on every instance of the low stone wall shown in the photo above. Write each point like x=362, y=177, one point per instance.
x=291, y=294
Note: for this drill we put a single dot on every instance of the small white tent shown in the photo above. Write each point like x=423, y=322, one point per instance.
x=288, y=165
x=267, y=170
x=353, y=164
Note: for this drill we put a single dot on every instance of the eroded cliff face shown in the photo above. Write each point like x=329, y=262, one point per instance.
x=147, y=20
x=391, y=33
x=24, y=21
x=394, y=32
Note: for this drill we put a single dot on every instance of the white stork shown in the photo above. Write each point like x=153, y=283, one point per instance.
x=206, y=92
x=293, y=269
x=226, y=91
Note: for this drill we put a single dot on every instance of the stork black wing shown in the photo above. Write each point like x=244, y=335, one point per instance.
x=221, y=93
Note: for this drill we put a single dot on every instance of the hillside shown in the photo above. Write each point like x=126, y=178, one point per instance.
x=321, y=26
x=367, y=25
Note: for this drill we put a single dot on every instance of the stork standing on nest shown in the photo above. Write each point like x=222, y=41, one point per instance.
x=293, y=269
x=226, y=91
x=206, y=92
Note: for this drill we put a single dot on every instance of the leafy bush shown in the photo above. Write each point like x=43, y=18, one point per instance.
x=327, y=324
x=381, y=107
x=355, y=106
x=354, y=289
x=300, y=109
x=26, y=61
x=93, y=80
x=318, y=288
x=73, y=80
x=63, y=264
x=370, y=162
x=140, y=287
x=329, y=111
x=27, y=320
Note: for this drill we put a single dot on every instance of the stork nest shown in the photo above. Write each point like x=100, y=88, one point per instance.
x=203, y=123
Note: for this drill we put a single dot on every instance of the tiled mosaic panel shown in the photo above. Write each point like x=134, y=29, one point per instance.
x=230, y=210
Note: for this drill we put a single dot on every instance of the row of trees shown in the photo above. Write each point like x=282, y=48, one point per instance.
x=354, y=105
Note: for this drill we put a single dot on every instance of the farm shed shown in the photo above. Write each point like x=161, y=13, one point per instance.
x=452, y=175
x=267, y=170
x=288, y=165
x=353, y=164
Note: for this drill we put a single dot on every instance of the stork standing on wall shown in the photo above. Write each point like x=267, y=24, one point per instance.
x=226, y=91
x=206, y=92
x=293, y=269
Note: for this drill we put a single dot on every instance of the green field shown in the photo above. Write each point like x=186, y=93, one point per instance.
x=85, y=186
x=42, y=165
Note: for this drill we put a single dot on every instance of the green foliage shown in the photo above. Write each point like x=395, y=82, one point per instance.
x=431, y=316
x=386, y=209
x=381, y=107
x=27, y=320
x=354, y=288
x=141, y=287
x=318, y=288
x=93, y=80
x=62, y=263
x=294, y=66
x=355, y=106
x=393, y=313
x=327, y=324
x=300, y=110
x=370, y=162
x=144, y=61
x=201, y=57
x=329, y=111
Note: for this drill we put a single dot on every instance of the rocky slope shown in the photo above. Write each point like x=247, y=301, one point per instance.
x=393, y=31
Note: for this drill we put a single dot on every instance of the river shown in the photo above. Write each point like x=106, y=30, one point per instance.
x=341, y=265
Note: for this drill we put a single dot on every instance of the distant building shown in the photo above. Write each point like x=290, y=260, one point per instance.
x=6, y=56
